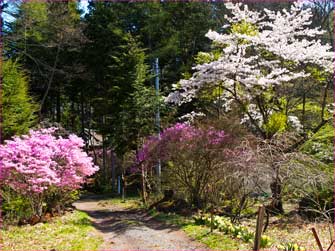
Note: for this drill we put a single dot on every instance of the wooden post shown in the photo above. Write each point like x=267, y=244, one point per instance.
x=317, y=239
x=259, y=227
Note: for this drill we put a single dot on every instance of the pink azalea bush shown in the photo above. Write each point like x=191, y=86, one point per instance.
x=181, y=137
x=191, y=157
x=33, y=164
x=204, y=165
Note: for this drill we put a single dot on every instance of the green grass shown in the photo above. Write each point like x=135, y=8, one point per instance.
x=129, y=202
x=72, y=231
x=214, y=240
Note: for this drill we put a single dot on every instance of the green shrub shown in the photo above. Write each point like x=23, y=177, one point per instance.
x=290, y=247
x=319, y=203
x=321, y=145
x=266, y=241
x=199, y=220
x=246, y=236
x=224, y=225
x=276, y=123
x=59, y=199
x=15, y=207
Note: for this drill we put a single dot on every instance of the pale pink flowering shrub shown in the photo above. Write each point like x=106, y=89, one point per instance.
x=40, y=162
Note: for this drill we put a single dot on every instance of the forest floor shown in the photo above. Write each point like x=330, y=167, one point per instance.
x=125, y=226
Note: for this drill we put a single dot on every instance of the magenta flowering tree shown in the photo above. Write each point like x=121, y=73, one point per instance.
x=194, y=160
x=33, y=164
x=181, y=135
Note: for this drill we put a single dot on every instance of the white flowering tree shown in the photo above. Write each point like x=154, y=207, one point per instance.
x=260, y=54
x=259, y=65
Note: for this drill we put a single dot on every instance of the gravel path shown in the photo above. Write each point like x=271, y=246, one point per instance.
x=133, y=229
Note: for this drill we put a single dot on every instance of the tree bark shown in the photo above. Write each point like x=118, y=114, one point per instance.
x=58, y=107
x=124, y=184
x=82, y=112
x=114, y=189
x=303, y=109
x=324, y=100
x=144, y=191
x=72, y=116
x=50, y=82
x=276, y=206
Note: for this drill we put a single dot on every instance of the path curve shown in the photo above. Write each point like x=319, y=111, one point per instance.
x=133, y=229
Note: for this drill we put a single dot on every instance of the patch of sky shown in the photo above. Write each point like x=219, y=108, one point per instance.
x=83, y=5
x=10, y=9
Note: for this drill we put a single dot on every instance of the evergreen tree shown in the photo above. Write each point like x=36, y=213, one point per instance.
x=172, y=31
x=116, y=62
x=45, y=38
x=18, y=106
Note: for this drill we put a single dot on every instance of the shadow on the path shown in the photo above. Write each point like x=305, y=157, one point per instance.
x=120, y=221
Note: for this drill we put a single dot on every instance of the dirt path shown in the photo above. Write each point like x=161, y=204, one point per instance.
x=133, y=229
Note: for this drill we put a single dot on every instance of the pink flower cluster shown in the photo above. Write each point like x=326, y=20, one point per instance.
x=181, y=137
x=184, y=132
x=32, y=163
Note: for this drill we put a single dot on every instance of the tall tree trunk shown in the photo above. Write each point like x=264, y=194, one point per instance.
x=72, y=118
x=49, y=82
x=113, y=171
x=82, y=119
x=104, y=159
x=195, y=198
x=58, y=106
x=324, y=99
x=124, y=184
x=144, y=190
x=303, y=109
x=276, y=206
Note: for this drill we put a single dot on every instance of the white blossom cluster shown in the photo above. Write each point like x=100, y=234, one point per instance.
x=295, y=123
x=282, y=34
x=331, y=108
x=242, y=73
x=255, y=114
x=239, y=14
x=224, y=101
x=324, y=152
x=190, y=117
